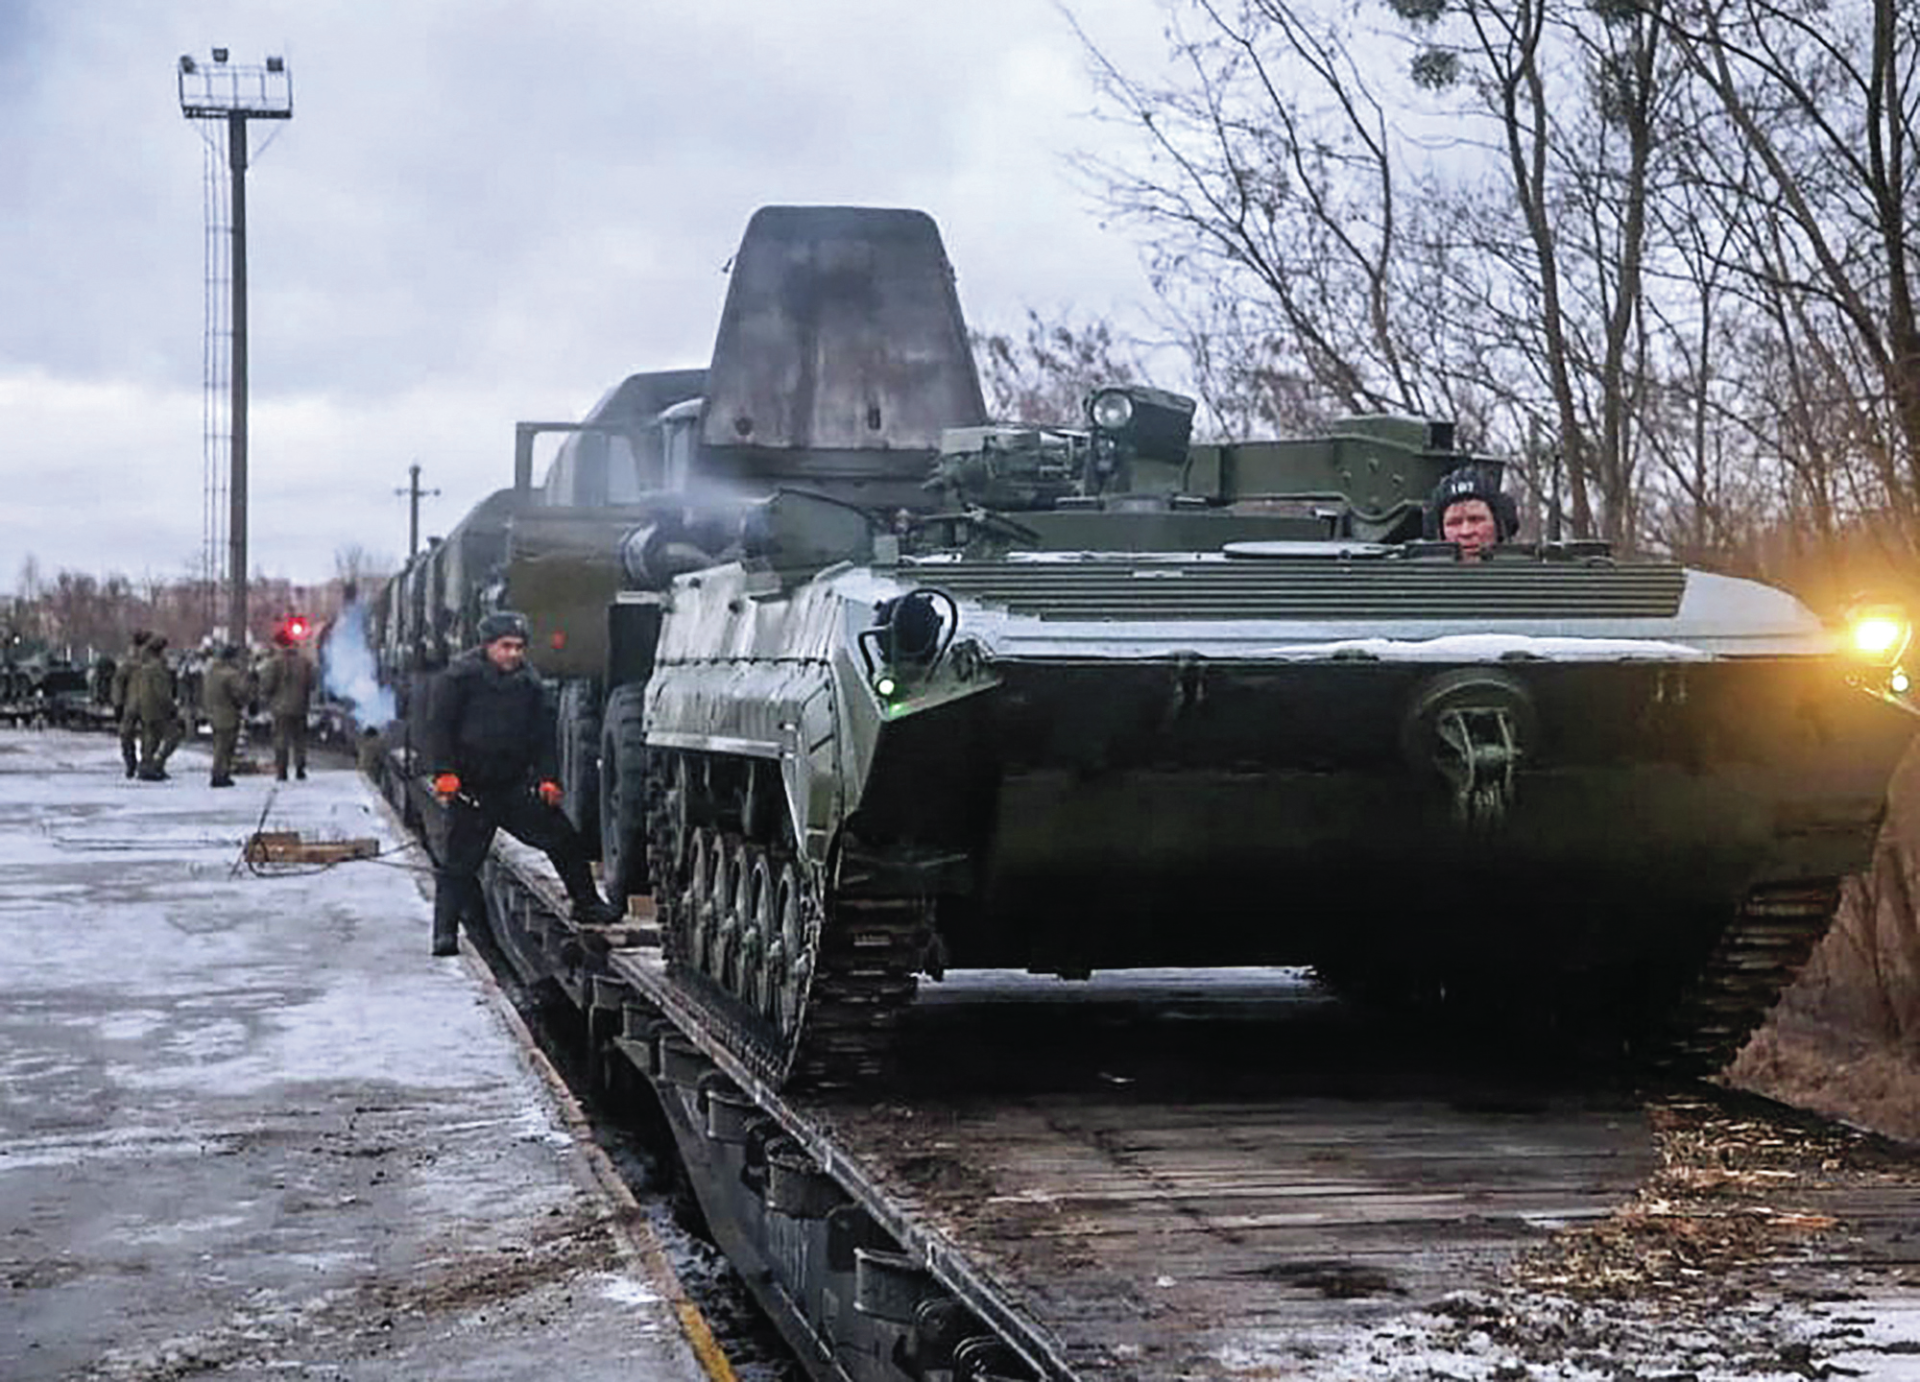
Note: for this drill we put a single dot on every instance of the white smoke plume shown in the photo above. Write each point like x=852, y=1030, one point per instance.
x=347, y=669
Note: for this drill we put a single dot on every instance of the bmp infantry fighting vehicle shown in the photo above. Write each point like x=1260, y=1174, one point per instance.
x=1118, y=701
x=861, y=688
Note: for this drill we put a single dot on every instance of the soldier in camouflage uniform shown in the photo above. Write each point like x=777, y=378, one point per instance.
x=224, y=694
x=287, y=686
x=152, y=694
x=123, y=700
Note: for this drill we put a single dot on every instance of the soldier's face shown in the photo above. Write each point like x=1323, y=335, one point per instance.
x=1470, y=525
x=507, y=653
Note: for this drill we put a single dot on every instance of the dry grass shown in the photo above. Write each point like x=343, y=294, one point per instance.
x=1845, y=1040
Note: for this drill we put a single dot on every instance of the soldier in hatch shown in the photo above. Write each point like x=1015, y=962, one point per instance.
x=491, y=753
x=1469, y=510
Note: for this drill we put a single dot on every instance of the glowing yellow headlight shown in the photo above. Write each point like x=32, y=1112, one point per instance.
x=1879, y=633
x=1878, y=637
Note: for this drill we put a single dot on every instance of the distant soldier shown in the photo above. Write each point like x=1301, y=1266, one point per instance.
x=225, y=694
x=490, y=750
x=286, y=685
x=123, y=700
x=152, y=694
x=100, y=682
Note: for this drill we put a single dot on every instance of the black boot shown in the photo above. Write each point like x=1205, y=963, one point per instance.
x=589, y=909
x=578, y=881
x=446, y=921
x=592, y=910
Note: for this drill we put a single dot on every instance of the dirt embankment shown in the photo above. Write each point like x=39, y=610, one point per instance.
x=1845, y=1040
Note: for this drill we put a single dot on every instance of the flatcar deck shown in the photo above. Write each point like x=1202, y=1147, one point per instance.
x=1231, y=1176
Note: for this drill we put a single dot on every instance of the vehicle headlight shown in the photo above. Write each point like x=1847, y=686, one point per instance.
x=1878, y=633
x=1110, y=409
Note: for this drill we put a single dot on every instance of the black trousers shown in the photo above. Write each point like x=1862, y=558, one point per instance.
x=471, y=820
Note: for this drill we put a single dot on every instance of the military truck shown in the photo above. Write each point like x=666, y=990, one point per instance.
x=840, y=356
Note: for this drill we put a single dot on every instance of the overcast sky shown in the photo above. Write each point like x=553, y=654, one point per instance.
x=481, y=211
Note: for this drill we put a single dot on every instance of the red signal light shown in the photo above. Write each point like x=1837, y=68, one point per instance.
x=296, y=627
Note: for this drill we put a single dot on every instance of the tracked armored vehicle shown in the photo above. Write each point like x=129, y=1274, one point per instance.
x=1120, y=702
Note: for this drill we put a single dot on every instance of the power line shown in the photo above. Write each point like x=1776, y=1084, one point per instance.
x=414, y=494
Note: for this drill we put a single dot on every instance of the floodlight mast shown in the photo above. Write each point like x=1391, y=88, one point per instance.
x=218, y=90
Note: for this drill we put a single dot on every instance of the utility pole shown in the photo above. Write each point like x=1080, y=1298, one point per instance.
x=414, y=494
x=234, y=95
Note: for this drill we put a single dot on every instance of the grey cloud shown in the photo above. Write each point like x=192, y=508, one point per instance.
x=514, y=204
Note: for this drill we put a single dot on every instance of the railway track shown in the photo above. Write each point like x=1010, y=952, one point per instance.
x=1232, y=1176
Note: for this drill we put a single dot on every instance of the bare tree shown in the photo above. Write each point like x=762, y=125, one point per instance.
x=1821, y=99
x=1043, y=375
x=1329, y=234
x=1266, y=190
x=355, y=567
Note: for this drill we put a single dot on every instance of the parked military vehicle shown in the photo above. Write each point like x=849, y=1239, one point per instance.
x=1122, y=702
x=42, y=688
x=861, y=688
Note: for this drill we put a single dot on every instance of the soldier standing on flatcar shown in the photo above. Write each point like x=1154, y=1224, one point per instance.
x=225, y=693
x=287, y=686
x=491, y=753
x=123, y=700
x=152, y=694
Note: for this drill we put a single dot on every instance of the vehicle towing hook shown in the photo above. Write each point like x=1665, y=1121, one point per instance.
x=1476, y=750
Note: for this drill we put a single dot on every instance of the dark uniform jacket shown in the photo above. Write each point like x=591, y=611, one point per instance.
x=492, y=728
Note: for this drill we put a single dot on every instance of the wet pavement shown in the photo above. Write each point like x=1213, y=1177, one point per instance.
x=248, y=1127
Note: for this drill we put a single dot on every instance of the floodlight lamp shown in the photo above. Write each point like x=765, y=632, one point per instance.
x=276, y=64
x=1110, y=409
x=1152, y=424
x=187, y=66
x=219, y=54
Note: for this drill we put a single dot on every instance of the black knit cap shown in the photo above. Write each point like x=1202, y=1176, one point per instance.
x=503, y=623
x=1473, y=482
